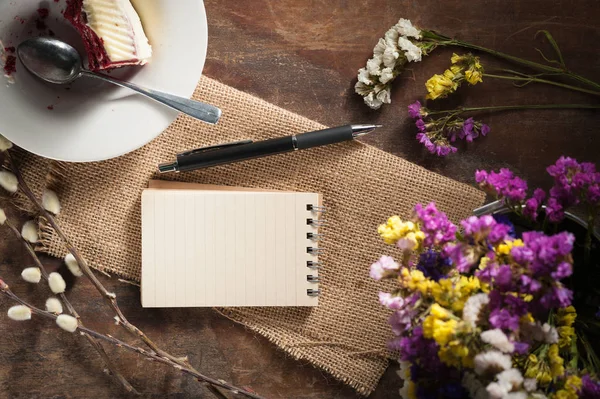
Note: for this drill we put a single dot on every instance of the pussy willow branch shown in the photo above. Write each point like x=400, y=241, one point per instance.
x=110, y=297
x=5, y=290
x=93, y=341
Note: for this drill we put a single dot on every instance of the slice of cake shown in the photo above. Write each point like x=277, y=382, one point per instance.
x=111, y=31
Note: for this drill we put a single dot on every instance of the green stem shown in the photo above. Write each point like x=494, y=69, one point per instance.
x=545, y=81
x=447, y=41
x=510, y=107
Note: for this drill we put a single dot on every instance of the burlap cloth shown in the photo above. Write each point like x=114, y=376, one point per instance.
x=361, y=186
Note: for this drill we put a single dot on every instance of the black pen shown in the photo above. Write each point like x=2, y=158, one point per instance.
x=247, y=149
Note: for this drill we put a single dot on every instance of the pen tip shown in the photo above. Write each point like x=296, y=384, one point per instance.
x=378, y=125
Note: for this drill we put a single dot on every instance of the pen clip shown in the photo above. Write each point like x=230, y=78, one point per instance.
x=214, y=147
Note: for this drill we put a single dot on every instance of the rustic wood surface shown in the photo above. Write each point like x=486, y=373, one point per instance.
x=303, y=56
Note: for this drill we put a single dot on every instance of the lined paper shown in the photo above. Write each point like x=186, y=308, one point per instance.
x=207, y=247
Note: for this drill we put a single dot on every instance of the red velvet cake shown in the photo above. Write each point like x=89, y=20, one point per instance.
x=111, y=31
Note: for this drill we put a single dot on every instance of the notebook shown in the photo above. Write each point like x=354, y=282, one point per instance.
x=206, y=245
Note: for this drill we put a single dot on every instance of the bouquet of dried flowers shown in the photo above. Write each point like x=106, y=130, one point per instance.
x=59, y=308
x=493, y=309
x=439, y=129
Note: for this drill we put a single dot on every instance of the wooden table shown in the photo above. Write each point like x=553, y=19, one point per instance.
x=303, y=56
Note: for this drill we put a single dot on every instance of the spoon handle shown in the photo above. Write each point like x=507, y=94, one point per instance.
x=196, y=109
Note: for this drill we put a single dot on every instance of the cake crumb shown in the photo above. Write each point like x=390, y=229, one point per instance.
x=10, y=49
x=10, y=65
x=43, y=13
x=50, y=107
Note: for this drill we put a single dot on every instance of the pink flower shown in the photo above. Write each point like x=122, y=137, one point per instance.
x=390, y=301
x=384, y=263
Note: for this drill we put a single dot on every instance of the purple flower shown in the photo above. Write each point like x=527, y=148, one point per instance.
x=564, y=269
x=544, y=255
x=506, y=310
x=521, y=347
x=433, y=264
x=435, y=224
x=557, y=297
x=463, y=256
x=554, y=210
x=572, y=181
x=529, y=285
x=504, y=278
x=414, y=110
x=420, y=350
x=533, y=204
x=485, y=129
x=468, y=133
x=485, y=227
x=504, y=184
x=421, y=125
x=590, y=389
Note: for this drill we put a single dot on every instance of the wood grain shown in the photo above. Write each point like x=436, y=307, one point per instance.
x=303, y=56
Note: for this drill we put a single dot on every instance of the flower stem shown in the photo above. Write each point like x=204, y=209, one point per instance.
x=545, y=81
x=447, y=41
x=588, y=238
x=511, y=107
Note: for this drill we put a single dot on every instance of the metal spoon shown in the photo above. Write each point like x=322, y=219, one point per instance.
x=57, y=62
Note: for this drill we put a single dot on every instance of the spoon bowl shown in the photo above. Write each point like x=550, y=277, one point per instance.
x=57, y=62
x=50, y=59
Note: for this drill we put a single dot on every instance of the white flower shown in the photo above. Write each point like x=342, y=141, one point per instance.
x=473, y=307
x=492, y=362
x=2, y=217
x=498, y=339
x=50, y=202
x=390, y=301
x=8, y=181
x=30, y=232
x=66, y=322
x=385, y=96
x=511, y=379
x=404, y=371
x=364, y=77
x=19, y=313
x=496, y=391
x=57, y=283
x=516, y=395
x=474, y=386
x=406, y=28
x=372, y=101
x=362, y=89
x=411, y=51
x=374, y=66
x=390, y=55
x=530, y=384
x=73, y=266
x=384, y=263
x=543, y=333
x=404, y=391
x=387, y=74
x=391, y=36
x=379, y=48
x=5, y=144
x=53, y=305
x=32, y=275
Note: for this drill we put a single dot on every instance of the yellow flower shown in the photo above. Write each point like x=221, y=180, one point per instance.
x=556, y=362
x=439, y=86
x=439, y=312
x=506, y=246
x=455, y=294
x=456, y=354
x=569, y=391
x=527, y=319
x=456, y=59
x=474, y=75
x=564, y=321
x=405, y=234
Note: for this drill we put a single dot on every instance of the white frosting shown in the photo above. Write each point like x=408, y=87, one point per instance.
x=117, y=23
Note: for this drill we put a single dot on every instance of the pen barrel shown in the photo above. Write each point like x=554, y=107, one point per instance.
x=225, y=155
x=324, y=137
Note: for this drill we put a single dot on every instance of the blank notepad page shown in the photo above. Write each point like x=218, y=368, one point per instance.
x=227, y=248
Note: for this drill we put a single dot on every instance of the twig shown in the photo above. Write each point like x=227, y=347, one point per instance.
x=5, y=290
x=181, y=362
x=93, y=341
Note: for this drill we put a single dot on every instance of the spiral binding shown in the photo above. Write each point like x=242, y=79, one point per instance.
x=315, y=222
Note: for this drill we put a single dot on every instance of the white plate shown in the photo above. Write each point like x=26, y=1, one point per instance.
x=92, y=121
